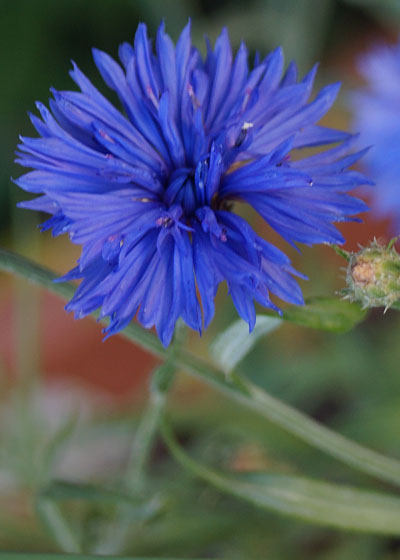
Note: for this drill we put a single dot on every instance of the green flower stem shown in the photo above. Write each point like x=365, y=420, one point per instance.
x=115, y=538
x=234, y=387
x=315, y=501
x=146, y=432
x=244, y=392
x=51, y=516
x=189, y=464
x=160, y=385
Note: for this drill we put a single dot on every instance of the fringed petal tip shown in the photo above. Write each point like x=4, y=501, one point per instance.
x=150, y=193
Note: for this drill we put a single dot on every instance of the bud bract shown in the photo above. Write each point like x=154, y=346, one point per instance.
x=373, y=276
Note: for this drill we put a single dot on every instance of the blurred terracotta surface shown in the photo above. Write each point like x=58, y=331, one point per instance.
x=362, y=233
x=74, y=349
x=67, y=348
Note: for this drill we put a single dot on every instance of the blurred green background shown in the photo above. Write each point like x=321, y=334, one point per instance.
x=56, y=372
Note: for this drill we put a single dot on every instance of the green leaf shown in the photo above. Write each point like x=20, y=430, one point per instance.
x=65, y=431
x=57, y=526
x=326, y=314
x=332, y=505
x=60, y=490
x=237, y=388
x=48, y=508
x=232, y=345
x=335, y=505
x=322, y=313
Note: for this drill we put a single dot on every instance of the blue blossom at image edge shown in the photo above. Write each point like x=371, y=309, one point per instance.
x=149, y=192
x=376, y=114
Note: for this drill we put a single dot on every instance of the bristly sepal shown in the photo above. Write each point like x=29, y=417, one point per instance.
x=373, y=276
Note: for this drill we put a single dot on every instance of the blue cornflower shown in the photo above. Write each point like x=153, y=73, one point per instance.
x=376, y=110
x=149, y=193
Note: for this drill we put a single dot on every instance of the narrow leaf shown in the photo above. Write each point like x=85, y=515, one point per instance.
x=232, y=345
x=236, y=388
x=322, y=313
x=60, y=490
x=332, y=505
x=326, y=313
x=322, y=503
x=57, y=525
x=49, y=454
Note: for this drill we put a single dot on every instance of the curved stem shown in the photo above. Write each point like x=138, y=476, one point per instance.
x=114, y=539
x=235, y=387
x=293, y=421
x=315, y=501
x=148, y=427
x=52, y=518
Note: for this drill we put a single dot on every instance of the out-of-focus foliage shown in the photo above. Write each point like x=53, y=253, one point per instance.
x=349, y=381
x=38, y=39
x=343, y=380
x=387, y=11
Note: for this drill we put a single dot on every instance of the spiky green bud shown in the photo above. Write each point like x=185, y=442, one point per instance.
x=373, y=276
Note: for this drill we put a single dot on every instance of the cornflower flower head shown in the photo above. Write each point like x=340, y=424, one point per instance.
x=149, y=192
x=376, y=114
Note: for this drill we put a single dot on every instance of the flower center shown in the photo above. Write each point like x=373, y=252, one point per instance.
x=181, y=189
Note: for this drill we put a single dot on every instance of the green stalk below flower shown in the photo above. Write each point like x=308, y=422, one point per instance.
x=235, y=387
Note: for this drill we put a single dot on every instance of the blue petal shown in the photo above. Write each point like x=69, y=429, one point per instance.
x=222, y=62
x=147, y=192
